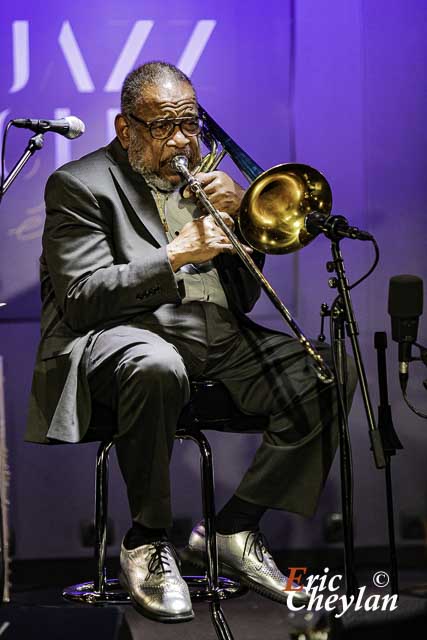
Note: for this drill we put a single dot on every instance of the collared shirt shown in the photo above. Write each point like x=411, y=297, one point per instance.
x=201, y=281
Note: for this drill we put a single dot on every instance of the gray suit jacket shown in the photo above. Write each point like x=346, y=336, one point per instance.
x=104, y=260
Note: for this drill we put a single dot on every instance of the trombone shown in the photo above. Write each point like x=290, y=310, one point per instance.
x=272, y=213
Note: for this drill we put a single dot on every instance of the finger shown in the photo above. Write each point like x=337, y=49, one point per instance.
x=212, y=190
x=232, y=249
x=226, y=202
x=206, y=178
x=213, y=224
x=221, y=247
x=215, y=196
x=227, y=219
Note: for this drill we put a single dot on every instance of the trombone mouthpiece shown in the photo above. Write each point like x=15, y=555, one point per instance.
x=179, y=163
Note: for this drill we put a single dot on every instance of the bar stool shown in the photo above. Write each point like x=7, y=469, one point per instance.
x=210, y=408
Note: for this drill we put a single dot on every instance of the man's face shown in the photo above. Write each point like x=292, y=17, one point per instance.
x=149, y=156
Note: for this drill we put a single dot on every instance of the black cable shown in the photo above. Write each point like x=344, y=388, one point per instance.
x=343, y=404
x=342, y=401
x=423, y=359
x=412, y=408
x=423, y=353
x=372, y=268
x=3, y=156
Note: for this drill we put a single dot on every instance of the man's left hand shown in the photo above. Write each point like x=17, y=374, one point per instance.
x=225, y=194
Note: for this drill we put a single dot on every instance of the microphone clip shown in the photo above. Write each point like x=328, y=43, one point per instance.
x=333, y=227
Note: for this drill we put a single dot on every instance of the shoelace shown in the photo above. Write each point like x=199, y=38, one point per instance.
x=258, y=544
x=159, y=562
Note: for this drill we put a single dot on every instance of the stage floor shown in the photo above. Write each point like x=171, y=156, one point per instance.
x=37, y=610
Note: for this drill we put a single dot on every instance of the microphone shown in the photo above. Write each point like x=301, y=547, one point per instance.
x=334, y=227
x=70, y=126
x=405, y=305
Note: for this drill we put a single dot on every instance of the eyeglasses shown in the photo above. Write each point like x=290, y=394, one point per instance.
x=161, y=129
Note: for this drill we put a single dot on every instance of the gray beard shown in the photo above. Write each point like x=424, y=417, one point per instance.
x=136, y=161
x=156, y=181
x=150, y=177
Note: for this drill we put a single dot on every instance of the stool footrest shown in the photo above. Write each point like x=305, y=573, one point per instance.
x=199, y=589
x=114, y=593
x=85, y=593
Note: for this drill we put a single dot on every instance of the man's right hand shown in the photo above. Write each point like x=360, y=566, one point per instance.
x=200, y=240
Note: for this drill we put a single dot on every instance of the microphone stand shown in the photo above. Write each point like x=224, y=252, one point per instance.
x=344, y=323
x=391, y=442
x=35, y=143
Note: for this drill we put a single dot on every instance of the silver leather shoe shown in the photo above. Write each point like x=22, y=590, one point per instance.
x=245, y=555
x=151, y=577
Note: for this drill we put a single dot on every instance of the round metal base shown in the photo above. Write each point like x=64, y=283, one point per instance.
x=198, y=587
x=114, y=593
x=86, y=594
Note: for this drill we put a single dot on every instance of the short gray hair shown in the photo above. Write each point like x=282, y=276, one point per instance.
x=146, y=75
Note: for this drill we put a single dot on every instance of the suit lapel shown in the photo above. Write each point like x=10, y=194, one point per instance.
x=136, y=191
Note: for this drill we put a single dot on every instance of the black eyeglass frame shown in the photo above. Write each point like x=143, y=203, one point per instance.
x=176, y=122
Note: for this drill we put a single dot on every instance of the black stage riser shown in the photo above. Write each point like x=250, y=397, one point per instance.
x=409, y=620
x=61, y=623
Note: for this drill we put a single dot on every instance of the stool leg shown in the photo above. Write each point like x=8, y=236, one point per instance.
x=208, y=499
x=221, y=627
x=220, y=624
x=101, y=515
x=101, y=591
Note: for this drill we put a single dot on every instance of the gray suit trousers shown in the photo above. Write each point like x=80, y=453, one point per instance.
x=141, y=371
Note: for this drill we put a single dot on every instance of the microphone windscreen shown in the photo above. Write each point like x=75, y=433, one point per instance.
x=405, y=296
x=76, y=127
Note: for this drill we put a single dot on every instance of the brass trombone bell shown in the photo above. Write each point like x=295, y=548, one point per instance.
x=274, y=207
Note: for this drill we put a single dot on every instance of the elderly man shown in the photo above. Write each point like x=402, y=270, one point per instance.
x=141, y=292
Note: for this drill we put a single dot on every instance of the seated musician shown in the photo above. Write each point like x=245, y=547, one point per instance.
x=142, y=292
